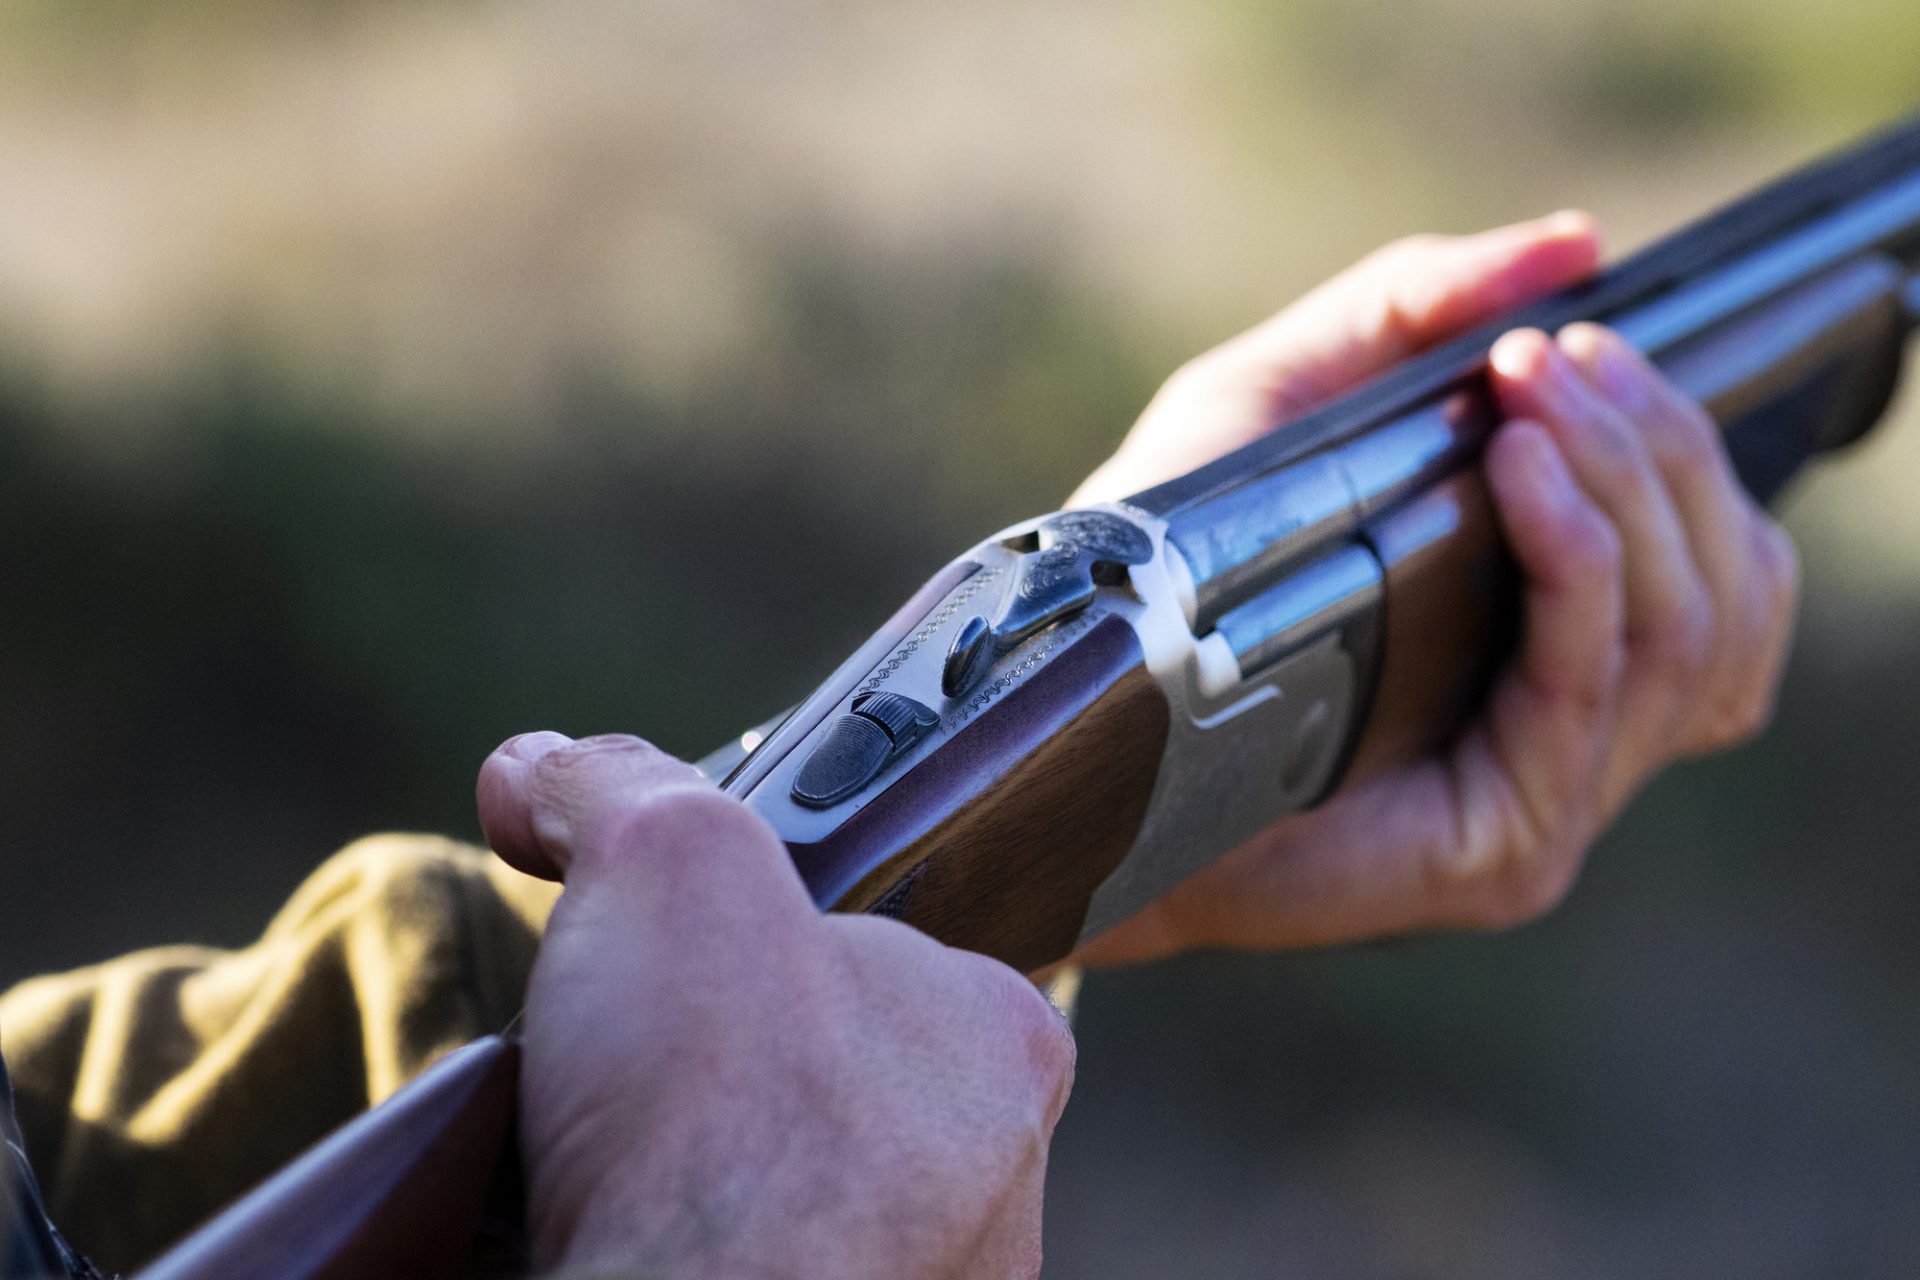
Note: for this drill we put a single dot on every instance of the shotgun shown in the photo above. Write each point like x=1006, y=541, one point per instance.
x=1086, y=708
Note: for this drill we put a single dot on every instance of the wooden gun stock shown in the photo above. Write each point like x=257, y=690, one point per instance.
x=1004, y=858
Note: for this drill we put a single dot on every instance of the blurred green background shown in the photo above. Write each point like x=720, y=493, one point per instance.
x=377, y=381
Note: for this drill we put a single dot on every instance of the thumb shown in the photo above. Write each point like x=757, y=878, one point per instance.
x=550, y=805
x=1406, y=297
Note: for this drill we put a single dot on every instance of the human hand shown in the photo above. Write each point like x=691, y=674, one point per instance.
x=720, y=1081
x=1658, y=603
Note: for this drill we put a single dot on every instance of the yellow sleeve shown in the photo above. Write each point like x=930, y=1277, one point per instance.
x=153, y=1089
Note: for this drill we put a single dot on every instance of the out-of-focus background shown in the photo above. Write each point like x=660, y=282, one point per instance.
x=377, y=381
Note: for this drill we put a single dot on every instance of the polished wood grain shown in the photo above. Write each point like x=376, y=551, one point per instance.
x=997, y=840
x=1449, y=619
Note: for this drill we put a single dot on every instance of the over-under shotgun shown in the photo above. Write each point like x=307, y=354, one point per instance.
x=1087, y=707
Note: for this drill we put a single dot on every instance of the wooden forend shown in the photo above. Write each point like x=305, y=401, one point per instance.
x=1450, y=618
x=997, y=841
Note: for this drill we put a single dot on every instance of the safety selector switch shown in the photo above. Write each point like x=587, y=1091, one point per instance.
x=1051, y=583
x=858, y=745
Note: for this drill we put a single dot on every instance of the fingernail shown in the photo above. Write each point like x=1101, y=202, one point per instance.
x=1512, y=356
x=1567, y=222
x=529, y=747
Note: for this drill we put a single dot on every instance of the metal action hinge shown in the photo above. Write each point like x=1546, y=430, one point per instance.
x=1077, y=549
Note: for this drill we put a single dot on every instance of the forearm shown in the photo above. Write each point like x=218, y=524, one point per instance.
x=155, y=1088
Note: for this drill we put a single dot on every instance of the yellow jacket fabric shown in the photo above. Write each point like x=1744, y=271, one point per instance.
x=153, y=1089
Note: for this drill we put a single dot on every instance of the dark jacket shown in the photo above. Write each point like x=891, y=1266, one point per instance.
x=29, y=1245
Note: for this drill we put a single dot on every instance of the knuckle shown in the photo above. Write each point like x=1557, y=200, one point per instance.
x=1750, y=719
x=1742, y=713
x=602, y=755
x=1188, y=388
x=1523, y=889
x=1716, y=733
x=1594, y=548
x=1055, y=1052
x=703, y=810
x=1583, y=340
x=1197, y=372
x=1539, y=893
x=1525, y=873
x=1688, y=446
x=1759, y=711
x=1009, y=996
x=1616, y=459
x=1680, y=640
x=1736, y=722
x=1048, y=1039
x=1039, y=1027
x=1406, y=292
x=1396, y=295
x=1397, y=255
x=1779, y=563
x=688, y=826
x=1041, y=1052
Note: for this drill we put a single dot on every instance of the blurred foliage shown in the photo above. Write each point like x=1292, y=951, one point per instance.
x=382, y=381
x=358, y=622
x=1630, y=67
